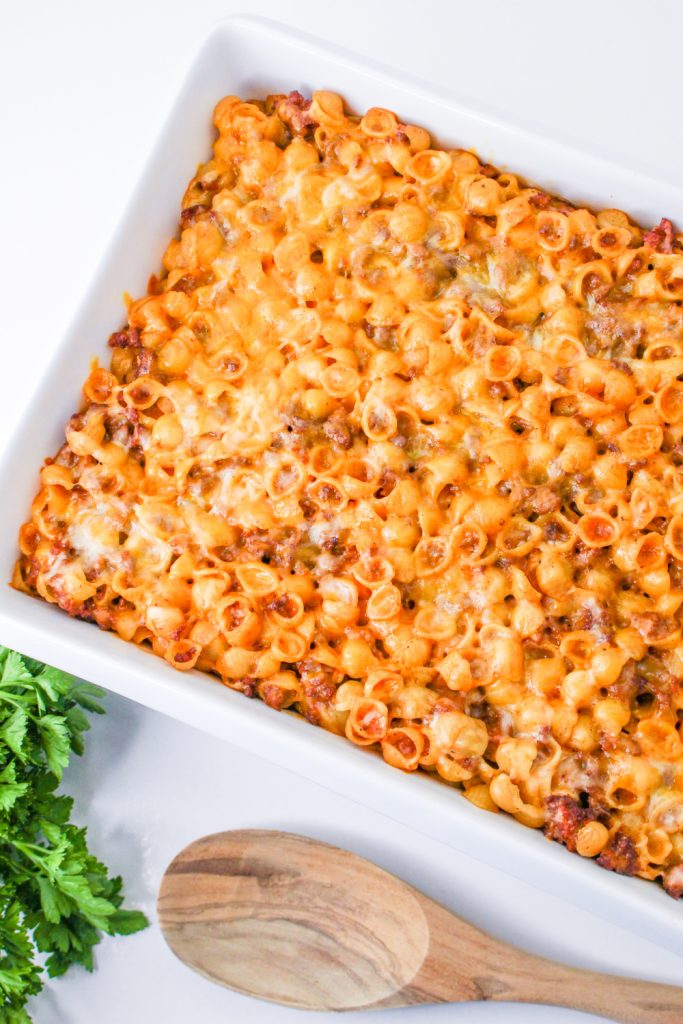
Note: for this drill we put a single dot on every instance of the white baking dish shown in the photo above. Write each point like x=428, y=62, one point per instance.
x=252, y=57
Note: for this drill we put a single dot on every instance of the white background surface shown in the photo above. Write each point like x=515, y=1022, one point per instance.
x=83, y=86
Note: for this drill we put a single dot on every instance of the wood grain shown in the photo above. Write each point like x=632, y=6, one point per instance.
x=301, y=923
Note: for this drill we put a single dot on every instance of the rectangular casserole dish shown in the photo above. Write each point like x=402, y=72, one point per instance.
x=251, y=57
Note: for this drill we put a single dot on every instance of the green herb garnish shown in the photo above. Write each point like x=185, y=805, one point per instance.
x=56, y=899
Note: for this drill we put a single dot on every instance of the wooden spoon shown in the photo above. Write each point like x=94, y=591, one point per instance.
x=295, y=921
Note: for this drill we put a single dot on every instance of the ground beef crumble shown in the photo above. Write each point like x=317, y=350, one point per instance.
x=565, y=817
x=620, y=855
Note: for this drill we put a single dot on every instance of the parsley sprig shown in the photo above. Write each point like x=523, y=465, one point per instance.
x=56, y=898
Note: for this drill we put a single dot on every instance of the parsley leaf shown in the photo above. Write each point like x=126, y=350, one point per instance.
x=56, y=898
x=10, y=789
x=13, y=731
x=56, y=737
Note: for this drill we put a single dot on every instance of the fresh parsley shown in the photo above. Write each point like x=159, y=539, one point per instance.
x=56, y=898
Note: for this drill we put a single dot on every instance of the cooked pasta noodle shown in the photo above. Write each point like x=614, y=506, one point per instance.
x=395, y=440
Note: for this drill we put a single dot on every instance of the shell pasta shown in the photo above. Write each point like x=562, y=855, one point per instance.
x=395, y=440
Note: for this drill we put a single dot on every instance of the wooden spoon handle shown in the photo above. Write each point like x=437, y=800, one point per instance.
x=626, y=1000
x=459, y=952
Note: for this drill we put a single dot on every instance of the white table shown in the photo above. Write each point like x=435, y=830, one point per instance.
x=83, y=85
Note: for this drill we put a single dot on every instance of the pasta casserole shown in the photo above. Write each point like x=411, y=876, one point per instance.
x=395, y=440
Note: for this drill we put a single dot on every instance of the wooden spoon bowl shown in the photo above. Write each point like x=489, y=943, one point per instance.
x=301, y=923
